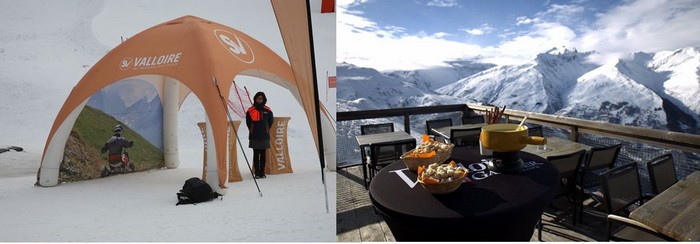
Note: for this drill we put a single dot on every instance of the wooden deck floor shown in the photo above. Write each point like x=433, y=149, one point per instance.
x=357, y=222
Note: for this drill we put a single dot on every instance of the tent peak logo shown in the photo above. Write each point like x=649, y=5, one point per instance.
x=150, y=62
x=235, y=45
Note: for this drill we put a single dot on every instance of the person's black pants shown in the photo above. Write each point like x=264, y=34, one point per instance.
x=259, y=161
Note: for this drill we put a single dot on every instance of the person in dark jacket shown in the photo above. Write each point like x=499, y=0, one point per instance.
x=115, y=145
x=258, y=118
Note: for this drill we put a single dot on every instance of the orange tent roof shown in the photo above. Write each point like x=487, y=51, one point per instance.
x=195, y=52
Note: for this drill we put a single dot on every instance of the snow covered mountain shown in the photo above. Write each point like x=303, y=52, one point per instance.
x=536, y=87
x=653, y=90
x=647, y=90
x=431, y=79
x=609, y=94
x=367, y=89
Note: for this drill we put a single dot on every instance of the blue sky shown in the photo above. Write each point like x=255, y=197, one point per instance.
x=410, y=34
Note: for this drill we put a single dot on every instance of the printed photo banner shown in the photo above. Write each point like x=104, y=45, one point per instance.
x=120, y=130
x=234, y=174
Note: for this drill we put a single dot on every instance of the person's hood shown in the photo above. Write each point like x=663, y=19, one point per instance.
x=263, y=95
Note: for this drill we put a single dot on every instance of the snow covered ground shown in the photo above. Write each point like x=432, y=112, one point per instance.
x=47, y=46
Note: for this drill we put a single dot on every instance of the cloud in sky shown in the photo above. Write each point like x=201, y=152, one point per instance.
x=443, y=3
x=648, y=26
x=523, y=48
x=638, y=25
x=362, y=42
x=483, y=29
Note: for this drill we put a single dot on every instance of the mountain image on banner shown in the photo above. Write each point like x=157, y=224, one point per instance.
x=134, y=103
x=652, y=90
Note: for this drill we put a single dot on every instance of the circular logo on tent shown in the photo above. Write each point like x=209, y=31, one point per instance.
x=235, y=45
x=125, y=63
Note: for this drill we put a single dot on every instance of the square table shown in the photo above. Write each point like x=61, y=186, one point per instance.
x=557, y=146
x=372, y=139
x=675, y=212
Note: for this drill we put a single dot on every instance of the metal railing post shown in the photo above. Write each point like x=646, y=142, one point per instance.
x=407, y=123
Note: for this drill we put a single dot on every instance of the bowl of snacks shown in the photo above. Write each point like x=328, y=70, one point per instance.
x=441, y=178
x=427, y=153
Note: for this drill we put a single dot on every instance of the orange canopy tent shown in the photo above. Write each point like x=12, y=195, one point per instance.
x=198, y=56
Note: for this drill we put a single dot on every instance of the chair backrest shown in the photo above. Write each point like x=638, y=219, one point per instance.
x=662, y=173
x=534, y=130
x=386, y=153
x=437, y=123
x=621, y=187
x=473, y=120
x=376, y=128
x=568, y=164
x=465, y=137
x=602, y=157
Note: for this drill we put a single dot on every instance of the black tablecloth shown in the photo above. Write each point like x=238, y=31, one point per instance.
x=493, y=206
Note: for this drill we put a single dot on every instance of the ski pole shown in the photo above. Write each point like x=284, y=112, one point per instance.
x=230, y=119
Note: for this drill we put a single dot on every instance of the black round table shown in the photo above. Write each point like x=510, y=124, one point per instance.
x=493, y=206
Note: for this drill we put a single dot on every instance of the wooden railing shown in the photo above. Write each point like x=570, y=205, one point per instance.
x=667, y=139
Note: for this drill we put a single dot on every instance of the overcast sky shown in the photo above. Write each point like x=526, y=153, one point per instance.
x=411, y=34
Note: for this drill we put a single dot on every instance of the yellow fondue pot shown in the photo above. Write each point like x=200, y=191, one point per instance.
x=508, y=137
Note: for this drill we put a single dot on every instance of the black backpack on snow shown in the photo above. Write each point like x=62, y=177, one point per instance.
x=195, y=191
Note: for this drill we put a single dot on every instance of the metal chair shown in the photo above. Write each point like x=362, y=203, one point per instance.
x=465, y=137
x=437, y=123
x=568, y=166
x=599, y=158
x=376, y=128
x=365, y=152
x=622, y=190
x=534, y=130
x=385, y=154
x=473, y=120
x=662, y=173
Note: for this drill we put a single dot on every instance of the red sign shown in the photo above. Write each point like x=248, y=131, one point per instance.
x=331, y=82
x=327, y=6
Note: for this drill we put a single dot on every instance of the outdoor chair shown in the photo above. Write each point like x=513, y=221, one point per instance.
x=479, y=119
x=465, y=137
x=621, y=191
x=534, y=130
x=662, y=173
x=365, y=152
x=385, y=154
x=376, y=128
x=598, y=158
x=438, y=123
x=568, y=166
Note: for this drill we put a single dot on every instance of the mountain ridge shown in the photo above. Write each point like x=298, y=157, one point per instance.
x=653, y=90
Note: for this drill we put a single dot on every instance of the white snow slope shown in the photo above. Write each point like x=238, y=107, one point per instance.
x=47, y=46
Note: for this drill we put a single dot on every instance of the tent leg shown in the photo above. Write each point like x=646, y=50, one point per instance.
x=171, y=88
x=53, y=155
x=212, y=170
x=325, y=190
